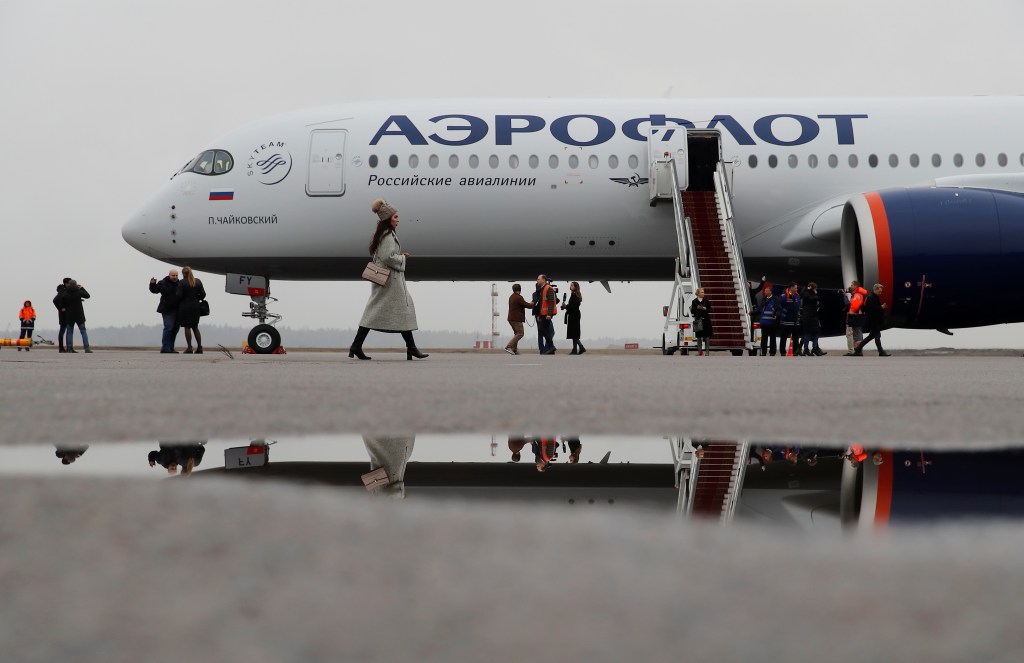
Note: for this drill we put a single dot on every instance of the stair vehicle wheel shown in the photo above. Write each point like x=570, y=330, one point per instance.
x=753, y=353
x=737, y=353
x=264, y=339
x=684, y=352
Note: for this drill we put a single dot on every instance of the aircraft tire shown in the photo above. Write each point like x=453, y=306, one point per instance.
x=264, y=339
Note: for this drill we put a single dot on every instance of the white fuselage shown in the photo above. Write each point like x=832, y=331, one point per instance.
x=492, y=189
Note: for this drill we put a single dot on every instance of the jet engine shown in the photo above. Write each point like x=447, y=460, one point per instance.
x=945, y=256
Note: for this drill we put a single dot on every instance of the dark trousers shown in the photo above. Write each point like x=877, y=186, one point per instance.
x=26, y=329
x=60, y=334
x=170, y=334
x=767, y=337
x=875, y=336
x=785, y=333
x=545, y=332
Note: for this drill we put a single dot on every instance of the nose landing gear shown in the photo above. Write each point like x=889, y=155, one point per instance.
x=264, y=339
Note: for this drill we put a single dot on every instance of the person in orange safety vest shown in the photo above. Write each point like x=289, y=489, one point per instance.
x=855, y=318
x=27, y=316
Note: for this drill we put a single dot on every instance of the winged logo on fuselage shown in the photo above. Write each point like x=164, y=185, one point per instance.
x=636, y=180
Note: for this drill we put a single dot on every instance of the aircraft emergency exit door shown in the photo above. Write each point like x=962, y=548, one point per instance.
x=326, y=175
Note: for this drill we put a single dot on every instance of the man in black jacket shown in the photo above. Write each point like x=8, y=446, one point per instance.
x=875, y=310
x=74, y=314
x=167, y=288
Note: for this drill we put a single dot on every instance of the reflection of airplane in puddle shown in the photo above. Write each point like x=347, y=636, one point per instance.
x=812, y=486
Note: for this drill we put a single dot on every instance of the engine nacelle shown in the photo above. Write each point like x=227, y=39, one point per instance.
x=946, y=257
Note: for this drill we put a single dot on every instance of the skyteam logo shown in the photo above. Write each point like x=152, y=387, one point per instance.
x=270, y=163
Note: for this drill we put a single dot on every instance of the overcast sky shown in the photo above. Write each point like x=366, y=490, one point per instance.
x=101, y=101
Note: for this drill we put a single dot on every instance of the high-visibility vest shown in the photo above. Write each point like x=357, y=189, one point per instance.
x=27, y=313
x=548, y=301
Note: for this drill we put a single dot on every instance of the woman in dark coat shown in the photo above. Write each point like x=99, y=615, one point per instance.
x=190, y=293
x=810, y=323
x=572, y=318
x=700, y=309
x=875, y=310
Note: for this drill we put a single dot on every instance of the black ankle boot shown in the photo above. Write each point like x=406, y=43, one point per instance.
x=356, y=349
x=414, y=352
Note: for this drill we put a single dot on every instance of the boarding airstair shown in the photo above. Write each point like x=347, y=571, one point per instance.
x=687, y=168
x=709, y=476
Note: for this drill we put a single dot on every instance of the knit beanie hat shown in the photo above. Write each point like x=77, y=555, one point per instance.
x=383, y=209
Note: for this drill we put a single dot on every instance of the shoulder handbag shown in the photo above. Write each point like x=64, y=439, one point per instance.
x=204, y=307
x=375, y=273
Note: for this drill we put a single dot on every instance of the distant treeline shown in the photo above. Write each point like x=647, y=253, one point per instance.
x=233, y=337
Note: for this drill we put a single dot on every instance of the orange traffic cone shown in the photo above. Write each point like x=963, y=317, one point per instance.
x=789, y=353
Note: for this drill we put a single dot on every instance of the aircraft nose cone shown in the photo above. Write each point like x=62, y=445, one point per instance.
x=134, y=231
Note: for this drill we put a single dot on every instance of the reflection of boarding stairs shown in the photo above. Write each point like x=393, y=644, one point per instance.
x=710, y=477
x=687, y=168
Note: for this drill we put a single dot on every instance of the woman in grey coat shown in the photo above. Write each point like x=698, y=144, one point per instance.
x=390, y=308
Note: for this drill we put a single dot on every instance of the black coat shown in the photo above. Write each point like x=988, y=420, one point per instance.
x=701, y=309
x=875, y=314
x=168, y=291
x=572, y=317
x=809, y=321
x=188, y=303
x=74, y=312
x=58, y=303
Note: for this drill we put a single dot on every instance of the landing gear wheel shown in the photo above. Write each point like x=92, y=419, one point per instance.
x=264, y=339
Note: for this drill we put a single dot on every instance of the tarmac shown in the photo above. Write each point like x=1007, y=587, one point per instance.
x=131, y=395
x=120, y=569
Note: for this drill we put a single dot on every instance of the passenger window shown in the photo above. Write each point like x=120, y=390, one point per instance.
x=593, y=161
x=958, y=160
x=634, y=161
x=513, y=161
x=433, y=161
x=574, y=162
x=915, y=160
x=793, y=161
x=414, y=161
x=534, y=161
x=853, y=161
x=553, y=161
x=812, y=160
x=873, y=160
x=373, y=161
x=773, y=161
x=474, y=161
x=613, y=162
x=204, y=165
x=1002, y=159
x=223, y=163
x=453, y=161
x=494, y=161
x=936, y=160
x=393, y=161
x=833, y=161
x=893, y=161
x=980, y=159
x=752, y=161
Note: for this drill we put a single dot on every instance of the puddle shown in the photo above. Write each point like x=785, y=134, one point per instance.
x=807, y=486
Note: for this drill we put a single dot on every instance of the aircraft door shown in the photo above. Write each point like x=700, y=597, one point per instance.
x=326, y=175
x=664, y=143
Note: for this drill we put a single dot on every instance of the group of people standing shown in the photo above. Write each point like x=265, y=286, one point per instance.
x=71, y=313
x=182, y=303
x=544, y=308
x=794, y=315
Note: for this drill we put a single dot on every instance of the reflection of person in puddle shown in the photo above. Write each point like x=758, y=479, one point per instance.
x=171, y=455
x=70, y=453
x=575, y=447
x=391, y=452
x=545, y=451
x=515, y=445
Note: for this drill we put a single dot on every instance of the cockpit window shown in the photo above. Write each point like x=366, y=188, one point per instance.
x=210, y=162
x=222, y=163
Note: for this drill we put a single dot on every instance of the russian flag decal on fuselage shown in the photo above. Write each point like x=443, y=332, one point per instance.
x=222, y=194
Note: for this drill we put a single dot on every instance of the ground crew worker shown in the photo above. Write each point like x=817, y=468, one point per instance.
x=855, y=318
x=545, y=317
x=27, y=316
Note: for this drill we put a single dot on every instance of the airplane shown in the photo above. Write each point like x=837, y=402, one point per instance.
x=925, y=196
